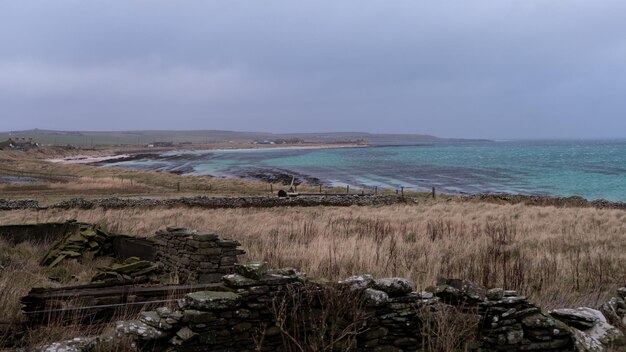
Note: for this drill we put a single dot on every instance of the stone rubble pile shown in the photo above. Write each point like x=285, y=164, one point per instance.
x=195, y=257
x=88, y=238
x=131, y=270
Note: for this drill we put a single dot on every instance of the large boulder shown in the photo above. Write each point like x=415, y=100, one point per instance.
x=592, y=332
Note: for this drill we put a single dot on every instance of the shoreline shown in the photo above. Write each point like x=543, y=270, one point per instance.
x=183, y=162
x=111, y=156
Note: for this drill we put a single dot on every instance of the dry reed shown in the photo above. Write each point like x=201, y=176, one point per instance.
x=558, y=256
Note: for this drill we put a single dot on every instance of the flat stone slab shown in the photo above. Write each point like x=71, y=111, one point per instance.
x=209, y=300
x=236, y=280
x=592, y=332
x=578, y=318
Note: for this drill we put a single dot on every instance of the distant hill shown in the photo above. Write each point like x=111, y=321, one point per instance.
x=203, y=136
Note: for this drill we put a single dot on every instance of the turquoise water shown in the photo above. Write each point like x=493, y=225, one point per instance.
x=591, y=169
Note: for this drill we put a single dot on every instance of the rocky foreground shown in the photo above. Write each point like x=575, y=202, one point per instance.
x=258, y=309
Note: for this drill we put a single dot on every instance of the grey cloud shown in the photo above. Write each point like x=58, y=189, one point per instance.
x=497, y=69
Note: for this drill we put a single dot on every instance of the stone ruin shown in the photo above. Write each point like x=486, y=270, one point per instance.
x=274, y=310
x=193, y=257
x=259, y=309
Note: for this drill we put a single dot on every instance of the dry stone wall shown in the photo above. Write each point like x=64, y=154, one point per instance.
x=256, y=309
x=38, y=233
x=192, y=257
x=274, y=310
x=207, y=202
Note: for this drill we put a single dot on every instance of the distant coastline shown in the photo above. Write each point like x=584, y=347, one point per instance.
x=591, y=169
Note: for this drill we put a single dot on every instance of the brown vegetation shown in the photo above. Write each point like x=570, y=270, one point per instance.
x=558, y=256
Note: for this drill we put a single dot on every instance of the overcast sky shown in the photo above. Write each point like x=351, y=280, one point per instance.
x=488, y=69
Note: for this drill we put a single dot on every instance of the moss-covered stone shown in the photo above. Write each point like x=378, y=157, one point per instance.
x=88, y=238
x=207, y=300
x=252, y=270
x=236, y=280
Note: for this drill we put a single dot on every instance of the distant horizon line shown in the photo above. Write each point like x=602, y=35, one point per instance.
x=493, y=139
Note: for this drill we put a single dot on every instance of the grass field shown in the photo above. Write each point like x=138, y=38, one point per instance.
x=561, y=257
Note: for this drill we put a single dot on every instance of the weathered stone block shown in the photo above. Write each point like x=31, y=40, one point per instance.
x=139, y=329
x=241, y=327
x=228, y=261
x=252, y=270
x=210, y=251
x=205, y=237
x=197, y=316
x=394, y=285
x=375, y=298
x=495, y=294
x=185, y=334
x=151, y=318
x=207, y=300
x=228, y=243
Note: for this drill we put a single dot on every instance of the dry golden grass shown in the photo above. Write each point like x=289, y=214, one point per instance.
x=558, y=256
x=20, y=271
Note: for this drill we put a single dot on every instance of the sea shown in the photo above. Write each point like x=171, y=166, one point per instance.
x=593, y=169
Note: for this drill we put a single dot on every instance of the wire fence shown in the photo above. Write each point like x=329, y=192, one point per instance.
x=34, y=174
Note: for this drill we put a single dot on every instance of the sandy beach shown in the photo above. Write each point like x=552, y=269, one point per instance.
x=108, y=156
